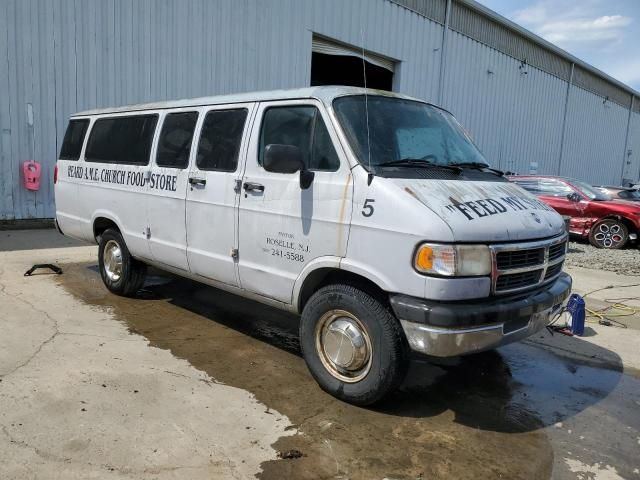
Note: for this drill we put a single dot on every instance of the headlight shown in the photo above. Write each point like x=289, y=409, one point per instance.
x=453, y=260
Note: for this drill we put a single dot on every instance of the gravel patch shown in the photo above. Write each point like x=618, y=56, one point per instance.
x=625, y=261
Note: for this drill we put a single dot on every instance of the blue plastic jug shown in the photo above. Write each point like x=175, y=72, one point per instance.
x=576, y=308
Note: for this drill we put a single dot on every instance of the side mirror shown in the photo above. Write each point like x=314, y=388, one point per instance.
x=287, y=159
x=574, y=197
x=282, y=158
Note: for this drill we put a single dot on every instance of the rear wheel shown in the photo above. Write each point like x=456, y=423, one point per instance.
x=353, y=345
x=609, y=233
x=121, y=273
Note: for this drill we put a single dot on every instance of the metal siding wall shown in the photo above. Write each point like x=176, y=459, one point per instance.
x=595, y=136
x=69, y=55
x=30, y=65
x=7, y=163
x=63, y=56
x=514, y=118
x=634, y=146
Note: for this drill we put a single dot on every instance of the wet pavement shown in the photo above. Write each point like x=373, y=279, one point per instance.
x=524, y=411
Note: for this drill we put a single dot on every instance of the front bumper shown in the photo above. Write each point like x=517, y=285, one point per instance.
x=449, y=329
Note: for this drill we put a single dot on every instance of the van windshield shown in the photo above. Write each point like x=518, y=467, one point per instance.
x=404, y=132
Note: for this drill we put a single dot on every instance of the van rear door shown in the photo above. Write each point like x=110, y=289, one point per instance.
x=212, y=196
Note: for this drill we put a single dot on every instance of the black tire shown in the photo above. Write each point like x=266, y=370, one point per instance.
x=609, y=233
x=389, y=357
x=133, y=272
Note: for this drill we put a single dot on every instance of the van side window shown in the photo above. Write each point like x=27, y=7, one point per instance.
x=220, y=139
x=303, y=127
x=73, y=140
x=125, y=140
x=176, y=135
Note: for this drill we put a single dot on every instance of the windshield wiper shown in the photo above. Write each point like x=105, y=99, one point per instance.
x=416, y=162
x=479, y=166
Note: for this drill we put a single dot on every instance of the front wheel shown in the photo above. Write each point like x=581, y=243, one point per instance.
x=609, y=233
x=353, y=345
x=121, y=273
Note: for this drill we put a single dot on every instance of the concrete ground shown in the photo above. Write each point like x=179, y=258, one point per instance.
x=190, y=382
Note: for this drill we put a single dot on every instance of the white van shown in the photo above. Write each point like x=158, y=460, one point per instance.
x=371, y=214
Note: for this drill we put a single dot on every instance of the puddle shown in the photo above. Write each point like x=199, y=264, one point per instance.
x=482, y=416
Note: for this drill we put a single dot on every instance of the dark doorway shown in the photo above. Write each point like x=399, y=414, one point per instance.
x=347, y=70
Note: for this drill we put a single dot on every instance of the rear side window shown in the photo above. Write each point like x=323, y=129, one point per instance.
x=174, y=145
x=73, y=140
x=303, y=127
x=125, y=140
x=220, y=139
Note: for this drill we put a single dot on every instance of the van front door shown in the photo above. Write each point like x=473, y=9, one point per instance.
x=282, y=227
x=212, y=193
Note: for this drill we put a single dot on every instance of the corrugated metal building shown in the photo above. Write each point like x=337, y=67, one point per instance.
x=528, y=104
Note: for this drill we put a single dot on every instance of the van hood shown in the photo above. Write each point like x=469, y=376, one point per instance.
x=485, y=211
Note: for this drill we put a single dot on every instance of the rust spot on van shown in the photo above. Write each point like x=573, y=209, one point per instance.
x=345, y=193
x=411, y=192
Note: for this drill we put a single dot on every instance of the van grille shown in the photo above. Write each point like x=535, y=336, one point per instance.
x=557, y=251
x=509, y=281
x=553, y=271
x=519, y=258
x=522, y=266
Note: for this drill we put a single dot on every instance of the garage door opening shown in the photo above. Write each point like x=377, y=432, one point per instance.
x=337, y=64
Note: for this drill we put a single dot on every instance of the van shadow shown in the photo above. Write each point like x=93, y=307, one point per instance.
x=518, y=388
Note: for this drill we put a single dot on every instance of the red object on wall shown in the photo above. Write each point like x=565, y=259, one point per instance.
x=31, y=171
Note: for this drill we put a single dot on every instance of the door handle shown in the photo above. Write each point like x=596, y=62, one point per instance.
x=197, y=181
x=253, y=187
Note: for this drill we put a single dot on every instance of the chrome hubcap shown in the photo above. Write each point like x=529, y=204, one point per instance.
x=112, y=259
x=609, y=234
x=343, y=346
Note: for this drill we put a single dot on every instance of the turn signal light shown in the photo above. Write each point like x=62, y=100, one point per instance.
x=424, y=259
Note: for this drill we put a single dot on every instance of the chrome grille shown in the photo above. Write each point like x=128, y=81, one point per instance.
x=518, y=280
x=521, y=266
x=519, y=258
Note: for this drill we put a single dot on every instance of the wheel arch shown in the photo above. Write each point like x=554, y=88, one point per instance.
x=101, y=222
x=630, y=224
x=326, y=275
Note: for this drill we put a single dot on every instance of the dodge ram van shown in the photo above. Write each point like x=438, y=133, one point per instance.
x=371, y=214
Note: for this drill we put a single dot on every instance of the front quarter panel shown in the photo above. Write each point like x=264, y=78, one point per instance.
x=387, y=225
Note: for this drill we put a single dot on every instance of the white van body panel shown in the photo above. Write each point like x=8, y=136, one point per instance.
x=387, y=226
x=71, y=220
x=125, y=205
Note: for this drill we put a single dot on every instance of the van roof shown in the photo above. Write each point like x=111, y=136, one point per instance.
x=325, y=94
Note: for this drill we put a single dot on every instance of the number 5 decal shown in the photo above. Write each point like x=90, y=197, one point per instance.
x=367, y=208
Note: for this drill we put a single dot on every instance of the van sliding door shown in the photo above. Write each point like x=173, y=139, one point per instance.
x=167, y=189
x=212, y=193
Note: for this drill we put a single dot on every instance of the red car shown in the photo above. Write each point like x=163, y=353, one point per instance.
x=594, y=214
